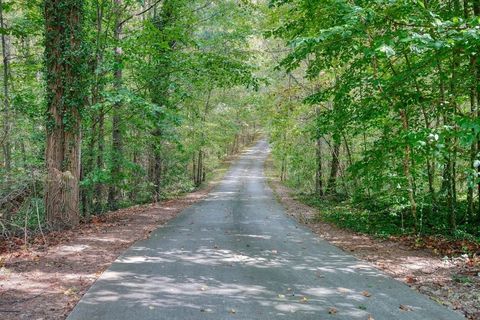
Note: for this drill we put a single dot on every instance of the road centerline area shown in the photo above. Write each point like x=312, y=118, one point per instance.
x=236, y=255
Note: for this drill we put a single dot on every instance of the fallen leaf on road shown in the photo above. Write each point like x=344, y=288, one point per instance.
x=370, y=317
x=344, y=290
x=366, y=294
x=304, y=300
x=232, y=311
x=405, y=307
x=281, y=296
x=332, y=310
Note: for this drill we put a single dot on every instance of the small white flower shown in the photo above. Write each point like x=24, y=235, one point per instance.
x=476, y=164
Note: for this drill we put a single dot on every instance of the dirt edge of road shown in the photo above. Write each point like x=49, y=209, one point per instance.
x=443, y=279
x=45, y=282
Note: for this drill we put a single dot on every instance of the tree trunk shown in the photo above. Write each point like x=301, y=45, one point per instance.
x=65, y=98
x=7, y=158
x=199, y=174
x=283, y=169
x=334, y=166
x=99, y=187
x=157, y=175
x=117, y=134
x=407, y=171
x=476, y=12
x=194, y=169
x=87, y=167
x=319, y=171
x=473, y=147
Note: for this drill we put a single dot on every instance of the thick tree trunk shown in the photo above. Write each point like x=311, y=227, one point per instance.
x=65, y=72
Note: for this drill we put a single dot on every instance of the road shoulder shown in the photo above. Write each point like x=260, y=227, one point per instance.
x=438, y=277
x=45, y=281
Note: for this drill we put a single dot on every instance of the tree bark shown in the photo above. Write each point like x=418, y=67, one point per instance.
x=6, y=146
x=65, y=98
x=334, y=166
x=407, y=170
x=319, y=171
x=117, y=134
x=99, y=187
x=476, y=12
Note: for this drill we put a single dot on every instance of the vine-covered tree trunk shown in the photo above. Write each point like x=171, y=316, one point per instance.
x=65, y=74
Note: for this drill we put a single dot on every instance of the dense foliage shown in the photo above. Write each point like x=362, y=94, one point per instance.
x=387, y=116
x=161, y=92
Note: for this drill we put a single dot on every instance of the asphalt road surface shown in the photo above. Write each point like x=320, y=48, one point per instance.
x=236, y=255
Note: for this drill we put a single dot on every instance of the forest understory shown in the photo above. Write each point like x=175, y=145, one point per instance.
x=57, y=269
x=434, y=268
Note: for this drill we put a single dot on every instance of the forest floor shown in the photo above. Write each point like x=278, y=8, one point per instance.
x=45, y=281
x=450, y=280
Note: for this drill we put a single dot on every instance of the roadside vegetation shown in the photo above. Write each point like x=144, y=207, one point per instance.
x=378, y=123
x=371, y=107
x=108, y=104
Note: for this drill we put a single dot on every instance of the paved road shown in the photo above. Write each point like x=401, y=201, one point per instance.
x=236, y=255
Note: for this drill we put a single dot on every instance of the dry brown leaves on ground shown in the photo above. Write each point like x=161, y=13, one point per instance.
x=46, y=281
